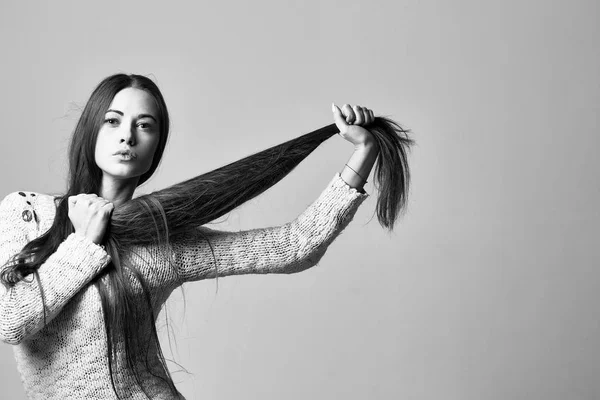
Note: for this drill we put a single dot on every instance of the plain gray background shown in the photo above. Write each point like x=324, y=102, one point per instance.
x=488, y=287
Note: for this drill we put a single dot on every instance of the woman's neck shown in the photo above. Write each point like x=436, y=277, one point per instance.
x=117, y=191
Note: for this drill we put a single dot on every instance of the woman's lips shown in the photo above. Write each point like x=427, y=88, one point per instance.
x=126, y=154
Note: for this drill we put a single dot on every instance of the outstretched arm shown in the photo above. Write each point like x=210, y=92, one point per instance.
x=289, y=248
x=299, y=244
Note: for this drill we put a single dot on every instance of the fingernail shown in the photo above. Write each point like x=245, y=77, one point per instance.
x=333, y=107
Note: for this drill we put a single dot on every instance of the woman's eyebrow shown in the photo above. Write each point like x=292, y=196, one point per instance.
x=146, y=116
x=138, y=117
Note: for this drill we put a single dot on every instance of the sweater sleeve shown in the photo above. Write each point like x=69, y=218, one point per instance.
x=293, y=247
x=75, y=262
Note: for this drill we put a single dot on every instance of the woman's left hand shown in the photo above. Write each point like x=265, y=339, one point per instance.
x=350, y=121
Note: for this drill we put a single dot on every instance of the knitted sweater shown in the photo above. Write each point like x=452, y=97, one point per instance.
x=67, y=357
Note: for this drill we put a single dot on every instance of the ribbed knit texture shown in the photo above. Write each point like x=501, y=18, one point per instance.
x=67, y=358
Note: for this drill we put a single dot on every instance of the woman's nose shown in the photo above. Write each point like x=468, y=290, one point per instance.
x=128, y=137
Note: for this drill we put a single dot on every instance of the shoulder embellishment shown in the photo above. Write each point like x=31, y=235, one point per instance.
x=27, y=216
x=28, y=213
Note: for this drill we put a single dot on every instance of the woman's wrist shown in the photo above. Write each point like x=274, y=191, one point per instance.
x=369, y=145
x=356, y=171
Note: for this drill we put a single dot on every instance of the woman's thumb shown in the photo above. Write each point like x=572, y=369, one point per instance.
x=338, y=118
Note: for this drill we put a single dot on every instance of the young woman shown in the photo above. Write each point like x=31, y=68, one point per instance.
x=86, y=273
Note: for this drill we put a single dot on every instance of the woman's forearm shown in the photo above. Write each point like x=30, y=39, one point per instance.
x=357, y=169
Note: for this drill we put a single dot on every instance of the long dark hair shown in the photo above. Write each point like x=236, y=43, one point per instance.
x=156, y=218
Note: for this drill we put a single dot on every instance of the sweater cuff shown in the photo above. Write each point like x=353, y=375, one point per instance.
x=339, y=201
x=340, y=185
x=82, y=251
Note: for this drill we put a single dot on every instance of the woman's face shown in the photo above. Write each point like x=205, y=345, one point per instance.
x=129, y=136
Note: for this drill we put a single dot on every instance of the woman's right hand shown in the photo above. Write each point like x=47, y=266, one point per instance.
x=89, y=215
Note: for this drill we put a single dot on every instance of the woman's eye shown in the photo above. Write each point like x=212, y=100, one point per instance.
x=143, y=125
x=111, y=121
